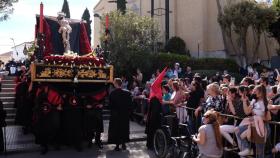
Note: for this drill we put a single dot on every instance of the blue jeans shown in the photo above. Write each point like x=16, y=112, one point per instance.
x=194, y=123
x=243, y=142
x=260, y=153
x=260, y=148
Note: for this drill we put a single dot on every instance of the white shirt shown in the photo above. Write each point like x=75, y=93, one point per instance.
x=277, y=147
x=255, y=75
x=258, y=107
x=175, y=73
x=268, y=89
x=173, y=95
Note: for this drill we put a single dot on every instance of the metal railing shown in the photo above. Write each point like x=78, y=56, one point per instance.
x=271, y=123
x=274, y=124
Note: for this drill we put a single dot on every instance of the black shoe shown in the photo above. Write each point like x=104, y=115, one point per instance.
x=117, y=148
x=99, y=144
x=79, y=148
x=44, y=150
x=150, y=148
x=57, y=147
x=25, y=130
x=123, y=146
x=231, y=148
x=89, y=144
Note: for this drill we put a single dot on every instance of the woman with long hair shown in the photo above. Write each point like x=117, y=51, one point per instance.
x=258, y=107
x=209, y=138
x=259, y=110
x=196, y=97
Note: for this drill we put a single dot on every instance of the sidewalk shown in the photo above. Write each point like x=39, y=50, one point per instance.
x=18, y=142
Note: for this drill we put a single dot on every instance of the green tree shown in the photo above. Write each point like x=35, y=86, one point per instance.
x=131, y=36
x=276, y=4
x=274, y=28
x=176, y=45
x=236, y=20
x=121, y=5
x=86, y=17
x=264, y=17
x=6, y=8
x=65, y=9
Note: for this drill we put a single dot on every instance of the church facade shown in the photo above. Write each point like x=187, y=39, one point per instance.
x=195, y=21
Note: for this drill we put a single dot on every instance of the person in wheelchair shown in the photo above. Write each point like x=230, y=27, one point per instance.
x=153, y=121
x=209, y=138
x=165, y=100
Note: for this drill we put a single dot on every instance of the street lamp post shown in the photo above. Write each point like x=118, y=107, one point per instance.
x=14, y=45
x=166, y=20
x=107, y=34
x=198, y=48
x=152, y=8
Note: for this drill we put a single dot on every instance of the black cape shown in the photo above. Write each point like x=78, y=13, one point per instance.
x=72, y=121
x=24, y=109
x=46, y=120
x=153, y=120
x=119, y=103
x=2, y=124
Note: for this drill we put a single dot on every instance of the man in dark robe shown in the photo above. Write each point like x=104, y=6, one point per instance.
x=2, y=124
x=21, y=104
x=93, y=121
x=72, y=121
x=25, y=103
x=153, y=121
x=46, y=115
x=119, y=103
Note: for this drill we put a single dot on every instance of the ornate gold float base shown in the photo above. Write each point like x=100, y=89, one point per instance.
x=63, y=73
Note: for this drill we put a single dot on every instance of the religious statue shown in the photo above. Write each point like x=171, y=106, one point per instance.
x=65, y=29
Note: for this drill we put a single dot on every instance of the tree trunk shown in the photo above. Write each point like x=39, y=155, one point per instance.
x=266, y=46
x=257, y=45
x=245, y=50
x=231, y=42
x=243, y=45
x=220, y=11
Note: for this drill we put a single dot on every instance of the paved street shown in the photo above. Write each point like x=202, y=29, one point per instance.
x=19, y=145
x=134, y=150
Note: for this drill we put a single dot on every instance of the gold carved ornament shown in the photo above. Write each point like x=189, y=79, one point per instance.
x=46, y=73
x=62, y=73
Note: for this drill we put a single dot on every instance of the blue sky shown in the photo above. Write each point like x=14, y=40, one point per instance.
x=21, y=24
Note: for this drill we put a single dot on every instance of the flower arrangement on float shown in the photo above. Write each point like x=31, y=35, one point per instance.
x=72, y=59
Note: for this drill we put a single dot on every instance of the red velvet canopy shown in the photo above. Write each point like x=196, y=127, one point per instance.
x=79, y=40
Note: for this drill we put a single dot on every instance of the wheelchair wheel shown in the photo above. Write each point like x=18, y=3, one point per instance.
x=161, y=143
x=193, y=151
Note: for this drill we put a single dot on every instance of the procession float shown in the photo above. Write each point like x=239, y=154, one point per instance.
x=63, y=58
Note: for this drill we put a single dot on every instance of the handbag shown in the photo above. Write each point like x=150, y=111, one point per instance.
x=254, y=137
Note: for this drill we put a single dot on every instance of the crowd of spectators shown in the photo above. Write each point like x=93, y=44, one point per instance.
x=255, y=100
x=204, y=102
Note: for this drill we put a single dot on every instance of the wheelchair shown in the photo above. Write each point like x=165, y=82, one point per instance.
x=174, y=140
